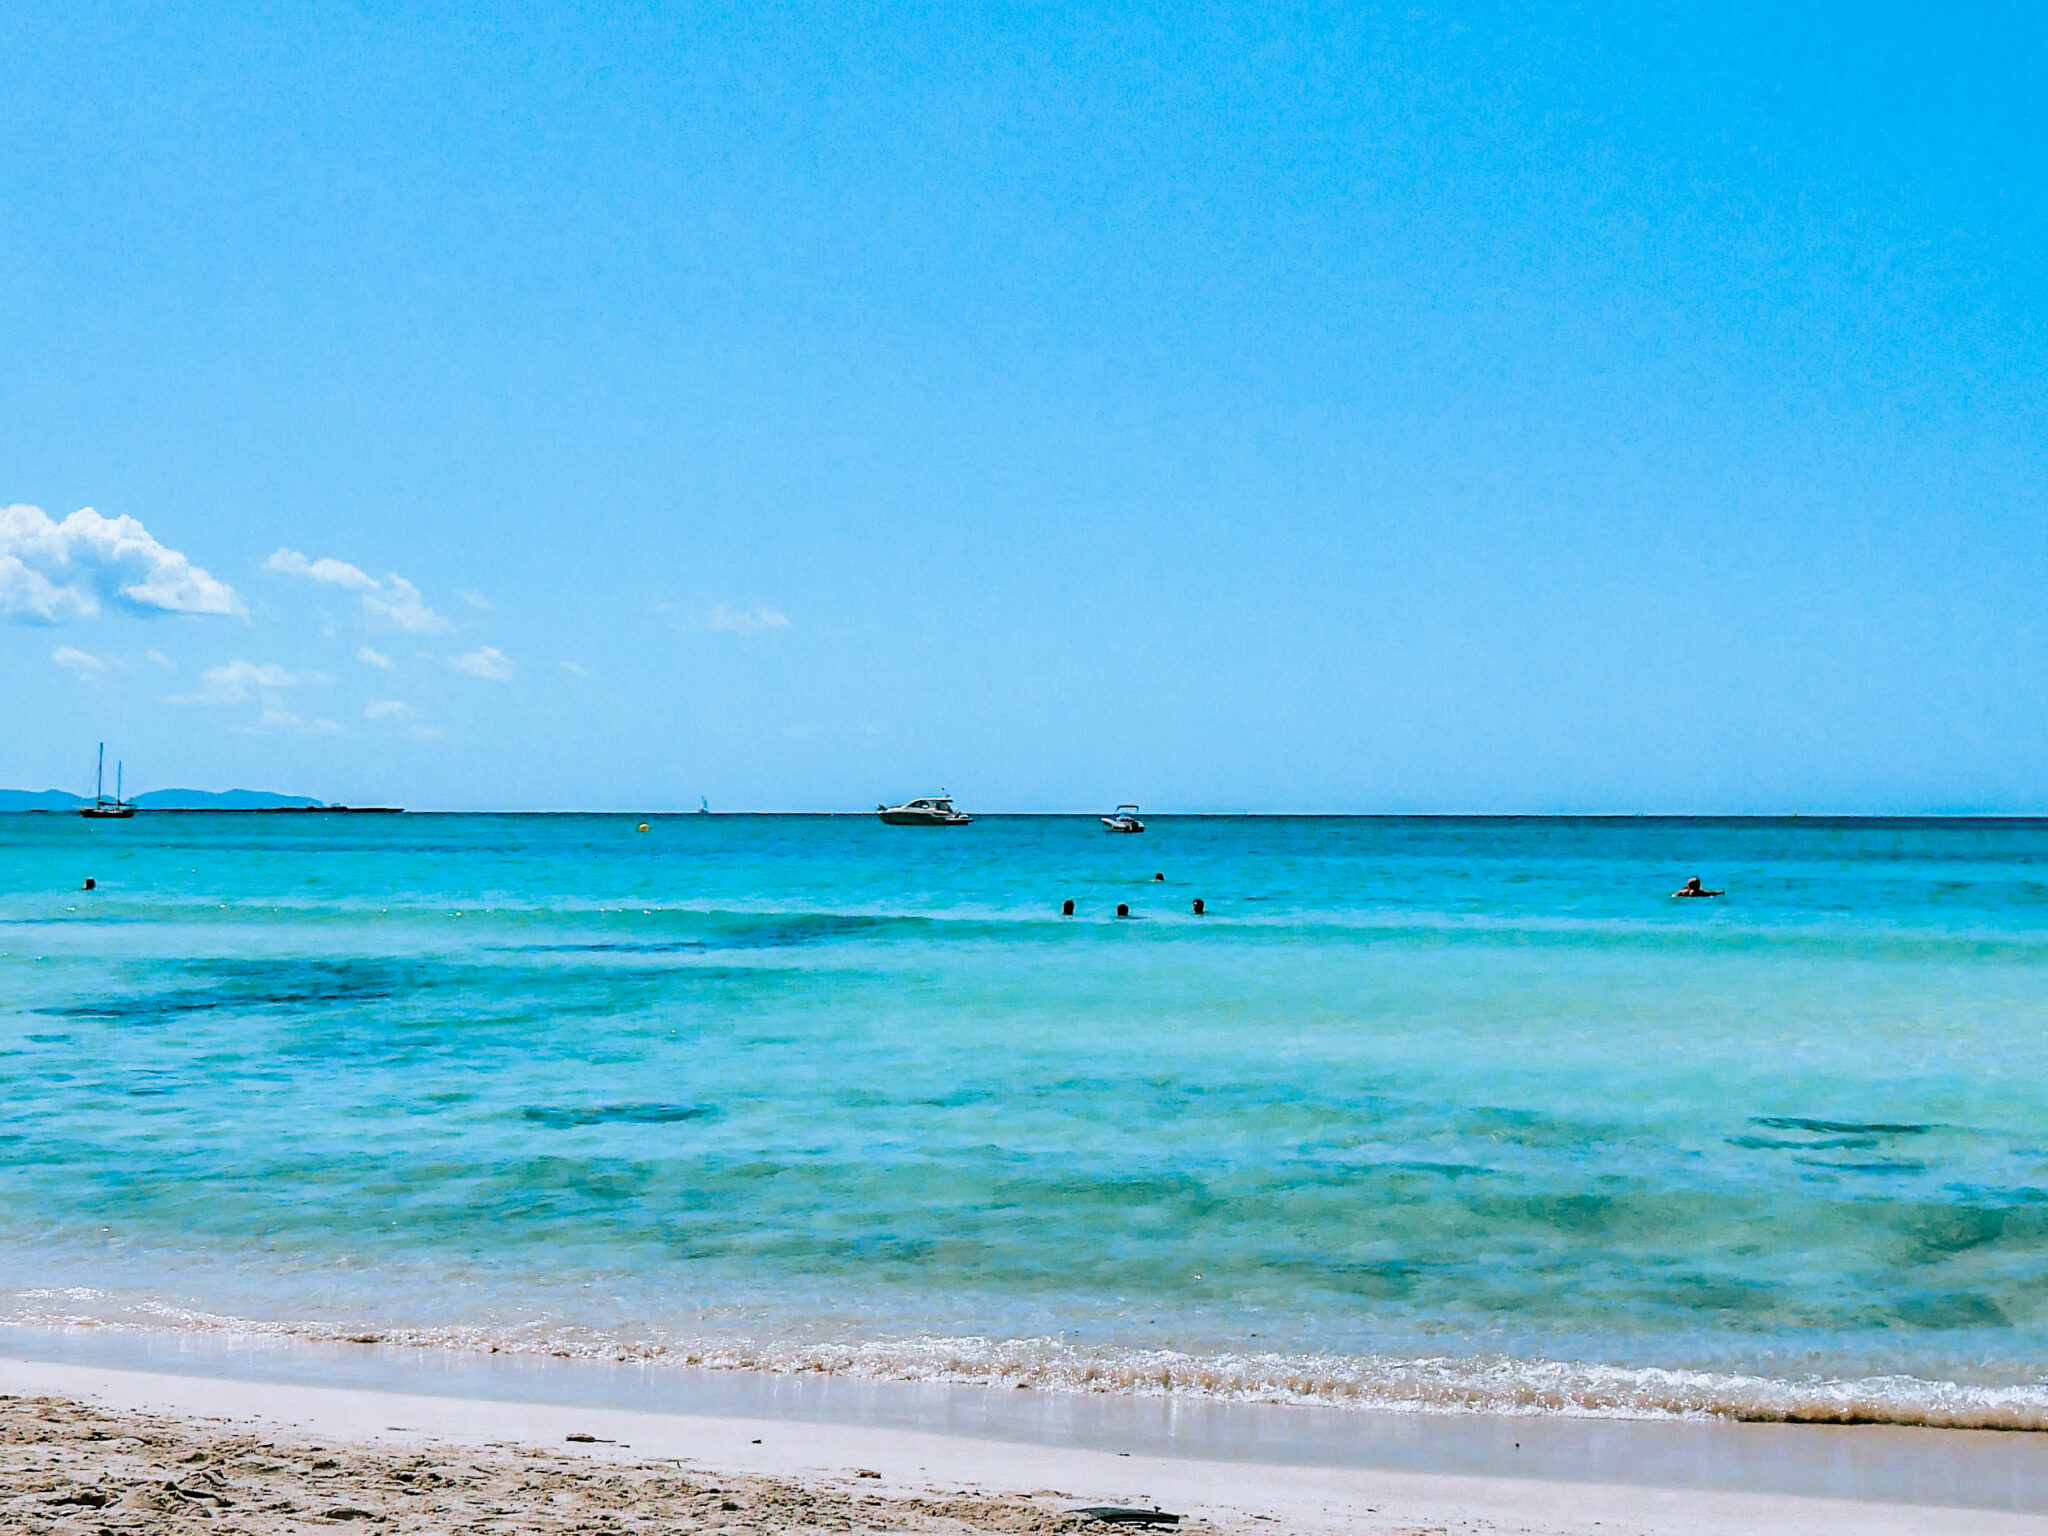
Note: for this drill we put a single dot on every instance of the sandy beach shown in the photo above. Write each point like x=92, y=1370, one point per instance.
x=84, y=1448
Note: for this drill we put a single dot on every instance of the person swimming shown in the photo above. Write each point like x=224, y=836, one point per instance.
x=1692, y=887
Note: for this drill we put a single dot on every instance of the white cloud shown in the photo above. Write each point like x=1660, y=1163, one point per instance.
x=389, y=709
x=372, y=658
x=399, y=601
x=394, y=598
x=474, y=598
x=336, y=573
x=573, y=670
x=162, y=660
x=82, y=664
x=50, y=571
x=486, y=661
x=744, y=621
x=31, y=597
x=239, y=680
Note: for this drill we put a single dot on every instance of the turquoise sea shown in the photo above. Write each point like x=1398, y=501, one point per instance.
x=1425, y=1113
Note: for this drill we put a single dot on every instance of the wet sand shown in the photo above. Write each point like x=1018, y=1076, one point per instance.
x=89, y=1450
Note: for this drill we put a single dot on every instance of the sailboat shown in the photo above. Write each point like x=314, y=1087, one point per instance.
x=102, y=808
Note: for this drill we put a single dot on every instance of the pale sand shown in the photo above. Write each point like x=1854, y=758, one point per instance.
x=85, y=1449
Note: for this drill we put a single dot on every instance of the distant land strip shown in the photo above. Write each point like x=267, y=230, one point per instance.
x=236, y=800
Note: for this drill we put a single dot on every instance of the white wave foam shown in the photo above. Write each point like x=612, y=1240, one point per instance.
x=1444, y=1384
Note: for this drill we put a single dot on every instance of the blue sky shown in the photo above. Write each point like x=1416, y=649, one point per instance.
x=1468, y=408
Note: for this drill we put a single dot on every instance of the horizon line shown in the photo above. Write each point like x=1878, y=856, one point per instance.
x=1084, y=815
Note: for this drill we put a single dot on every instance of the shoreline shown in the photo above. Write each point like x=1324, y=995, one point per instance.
x=1882, y=1465
x=365, y=1449
x=1488, y=1386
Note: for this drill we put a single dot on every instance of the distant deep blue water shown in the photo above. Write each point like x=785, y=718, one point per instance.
x=1424, y=1112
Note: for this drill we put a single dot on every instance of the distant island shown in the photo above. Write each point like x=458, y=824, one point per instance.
x=175, y=800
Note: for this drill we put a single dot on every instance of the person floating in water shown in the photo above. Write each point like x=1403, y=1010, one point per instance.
x=1692, y=888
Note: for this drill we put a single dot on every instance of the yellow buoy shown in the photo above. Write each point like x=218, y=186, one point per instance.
x=643, y=826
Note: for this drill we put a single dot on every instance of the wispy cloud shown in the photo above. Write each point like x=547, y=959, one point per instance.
x=400, y=602
x=486, y=661
x=370, y=658
x=394, y=599
x=276, y=718
x=573, y=670
x=80, y=664
x=239, y=681
x=335, y=573
x=475, y=599
x=51, y=571
x=389, y=709
x=744, y=621
x=160, y=659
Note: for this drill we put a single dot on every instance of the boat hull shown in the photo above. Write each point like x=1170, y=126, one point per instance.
x=922, y=819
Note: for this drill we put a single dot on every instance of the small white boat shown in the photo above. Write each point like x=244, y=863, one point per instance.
x=103, y=809
x=931, y=811
x=1125, y=820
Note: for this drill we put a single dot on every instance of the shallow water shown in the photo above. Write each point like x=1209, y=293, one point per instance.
x=1424, y=1112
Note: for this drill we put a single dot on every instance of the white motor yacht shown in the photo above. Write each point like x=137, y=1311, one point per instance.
x=1125, y=820
x=931, y=811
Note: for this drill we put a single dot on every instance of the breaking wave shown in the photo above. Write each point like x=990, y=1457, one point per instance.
x=1493, y=1384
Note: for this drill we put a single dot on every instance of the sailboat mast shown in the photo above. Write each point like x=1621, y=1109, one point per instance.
x=99, y=778
x=117, y=781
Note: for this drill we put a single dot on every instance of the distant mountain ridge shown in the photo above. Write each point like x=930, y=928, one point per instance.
x=40, y=800
x=219, y=800
x=159, y=800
